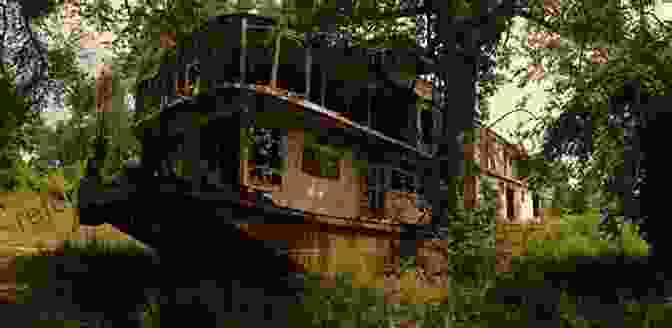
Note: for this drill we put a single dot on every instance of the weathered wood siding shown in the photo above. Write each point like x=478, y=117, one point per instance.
x=344, y=197
x=496, y=160
x=372, y=257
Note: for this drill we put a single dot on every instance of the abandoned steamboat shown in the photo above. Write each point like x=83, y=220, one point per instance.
x=307, y=148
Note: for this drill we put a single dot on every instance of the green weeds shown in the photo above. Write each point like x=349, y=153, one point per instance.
x=478, y=297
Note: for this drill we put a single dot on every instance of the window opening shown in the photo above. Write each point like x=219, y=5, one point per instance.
x=320, y=162
x=268, y=153
x=403, y=181
x=509, y=204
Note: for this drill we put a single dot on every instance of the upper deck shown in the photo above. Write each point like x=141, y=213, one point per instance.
x=368, y=91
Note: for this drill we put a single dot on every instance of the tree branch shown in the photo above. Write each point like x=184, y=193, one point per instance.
x=129, y=11
x=508, y=32
x=577, y=69
x=651, y=13
x=507, y=114
x=536, y=20
x=40, y=67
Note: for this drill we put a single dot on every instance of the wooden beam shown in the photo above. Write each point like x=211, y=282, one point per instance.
x=352, y=223
x=309, y=64
x=243, y=48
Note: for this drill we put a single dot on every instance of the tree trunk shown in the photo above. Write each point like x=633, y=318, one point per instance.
x=457, y=118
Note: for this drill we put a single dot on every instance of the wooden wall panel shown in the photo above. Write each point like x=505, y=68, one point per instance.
x=334, y=197
x=371, y=258
x=344, y=197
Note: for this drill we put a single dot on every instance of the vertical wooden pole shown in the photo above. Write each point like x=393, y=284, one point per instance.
x=243, y=48
x=276, y=60
x=309, y=64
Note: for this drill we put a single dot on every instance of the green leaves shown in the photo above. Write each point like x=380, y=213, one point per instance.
x=341, y=305
x=471, y=234
x=16, y=121
x=149, y=64
x=579, y=237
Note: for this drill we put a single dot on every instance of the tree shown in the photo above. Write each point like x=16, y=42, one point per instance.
x=465, y=32
x=604, y=47
x=73, y=140
x=31, y=75
x=123, y=144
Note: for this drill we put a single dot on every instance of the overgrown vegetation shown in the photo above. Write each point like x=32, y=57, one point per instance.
x=85, y=279
x=478, y=296
x=471, y=232
x=579, y=235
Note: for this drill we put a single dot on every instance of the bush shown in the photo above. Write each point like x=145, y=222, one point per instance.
x=577, y=263
x=472, y=231
x=90, y=280
x=21, y=177
x=579, y=235
x=24, y=177
x=343, y=305
x=478, y=297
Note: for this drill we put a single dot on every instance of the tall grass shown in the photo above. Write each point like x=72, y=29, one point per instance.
x=477, y=295
x=85, y=280
x=579, y=235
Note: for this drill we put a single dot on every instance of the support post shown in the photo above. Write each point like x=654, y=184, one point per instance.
x=243, y=48
x=309, y=64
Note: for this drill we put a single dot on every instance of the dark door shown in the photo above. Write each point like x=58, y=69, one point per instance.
x=509, y=204
x=535, y=204
x=223, y=147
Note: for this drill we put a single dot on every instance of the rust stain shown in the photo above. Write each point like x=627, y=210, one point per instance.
x=423, y=88
x=167, y=40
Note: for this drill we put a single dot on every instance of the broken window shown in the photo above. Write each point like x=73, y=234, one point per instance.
x=266, y=154
x=267, y=151
x=223, y=160
x=403, y=181
x=385, y=178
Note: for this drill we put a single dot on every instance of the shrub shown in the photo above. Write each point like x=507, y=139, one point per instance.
x=21, y=177
x=579, y=236
x=344, y=305
x=87, y=280
x=363, y=307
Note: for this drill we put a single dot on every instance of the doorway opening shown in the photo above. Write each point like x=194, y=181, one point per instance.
x=509, y=204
